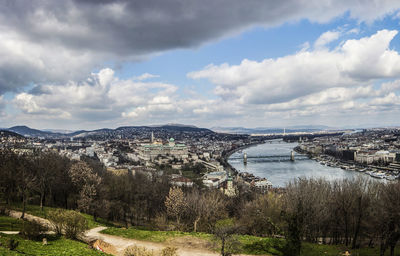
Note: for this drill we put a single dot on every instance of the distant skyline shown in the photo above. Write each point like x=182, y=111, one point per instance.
x=94, y=64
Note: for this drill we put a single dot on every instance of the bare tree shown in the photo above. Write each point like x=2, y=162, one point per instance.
x=87, y=183
x=389, y=217
x=27, y=182
x=225, y=230
x=262, y=216
x=196, y=207
x=176, y=204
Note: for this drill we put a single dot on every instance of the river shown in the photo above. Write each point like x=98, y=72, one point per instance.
x=271, y=160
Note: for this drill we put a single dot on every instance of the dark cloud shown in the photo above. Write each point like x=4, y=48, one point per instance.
x=81, y=34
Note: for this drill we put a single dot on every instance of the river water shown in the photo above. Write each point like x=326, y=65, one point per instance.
x=271, y=160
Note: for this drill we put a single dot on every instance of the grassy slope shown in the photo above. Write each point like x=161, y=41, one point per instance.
x=152, y=236
x=163, y=236
x=36, y=211
x=10, y=224
x=56, y=246
x=248, y=243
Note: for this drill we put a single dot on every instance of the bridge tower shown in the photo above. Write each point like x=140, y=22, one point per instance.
x=292, y=156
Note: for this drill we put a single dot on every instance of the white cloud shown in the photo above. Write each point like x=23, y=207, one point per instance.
x=46, y=41
x=390, y=99
x=101, y=97
x=145, y=76
x=354, y=63
x=326, y=38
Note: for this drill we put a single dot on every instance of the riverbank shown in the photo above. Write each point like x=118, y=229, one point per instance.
x=271, y=160
x=377, y=172
x=227, y=154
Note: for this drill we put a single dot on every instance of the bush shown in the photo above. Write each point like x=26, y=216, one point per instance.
x=71, y=223
x=56, y=218
x=137, y=251
x=169, y=251
x=12, y=244
x=32, y=230
x=271, y=246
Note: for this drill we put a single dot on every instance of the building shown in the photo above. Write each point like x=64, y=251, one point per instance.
x=182, y=182
x=214, y=179
x=263, y=185
x=148, y=152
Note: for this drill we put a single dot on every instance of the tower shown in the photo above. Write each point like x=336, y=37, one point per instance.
x=245, y=158
x=152, y=137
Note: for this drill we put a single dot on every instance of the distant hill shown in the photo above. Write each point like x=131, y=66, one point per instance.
x=131, y=131
x=106, y=133
x=6, y=133
x=29, y=132
x=268, y=130
x=58, y=131
x=187, y=128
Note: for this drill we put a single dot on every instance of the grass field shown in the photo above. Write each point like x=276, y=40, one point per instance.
x=10, y=224
x=36, y=211
x=152, y=236
x=55, y=247
x=248, y=244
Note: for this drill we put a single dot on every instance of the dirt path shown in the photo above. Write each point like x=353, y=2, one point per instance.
x=121, y=244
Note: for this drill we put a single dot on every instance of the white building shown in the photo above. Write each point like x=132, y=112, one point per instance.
x=148, y=152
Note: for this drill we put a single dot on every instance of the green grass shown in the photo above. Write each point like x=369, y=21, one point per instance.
x=309, y=249
x=10, y=224
x=36, y=211
x=31, y=209
x=162, y=236
x=56, y=246
x=260, y=245
x=248, y=244
x=99, y=221
x=152, y=236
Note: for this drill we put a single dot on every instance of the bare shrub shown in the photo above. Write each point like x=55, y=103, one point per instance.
x=137, y=251
x=71, y=223
x=32, y=230
x=169, y=251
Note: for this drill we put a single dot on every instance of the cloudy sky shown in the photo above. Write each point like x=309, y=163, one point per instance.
x=256, y=63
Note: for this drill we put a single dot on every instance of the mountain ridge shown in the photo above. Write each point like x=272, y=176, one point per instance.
x=48, y=133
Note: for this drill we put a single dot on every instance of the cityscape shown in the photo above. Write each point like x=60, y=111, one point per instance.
x=199, y=128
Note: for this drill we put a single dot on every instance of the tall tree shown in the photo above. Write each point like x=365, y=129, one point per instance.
x=176, y=204
x=27, y=181
x=87, y=182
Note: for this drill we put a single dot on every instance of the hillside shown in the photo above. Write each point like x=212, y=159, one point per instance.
x=106, y=133
x=6, y=133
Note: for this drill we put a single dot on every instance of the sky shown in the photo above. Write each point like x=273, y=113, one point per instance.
x=232, y=63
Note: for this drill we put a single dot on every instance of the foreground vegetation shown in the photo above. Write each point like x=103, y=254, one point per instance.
x=247, y=244
x=56, y=246
x=30, y=239
x=358, y=215
x=10, y=224
x=36, y=210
